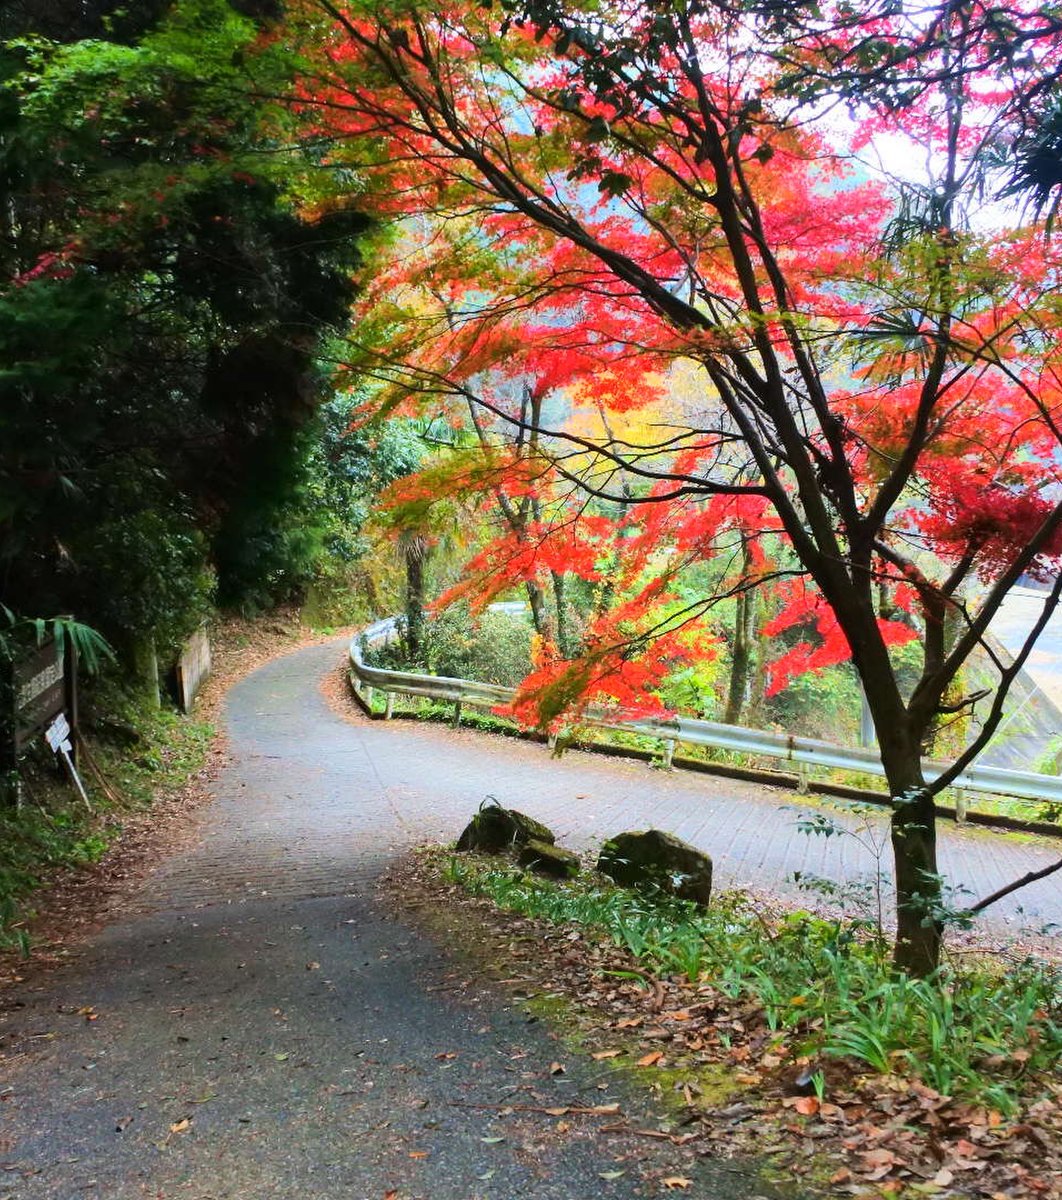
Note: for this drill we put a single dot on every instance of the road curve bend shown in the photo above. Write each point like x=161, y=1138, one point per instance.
x=255, y=1027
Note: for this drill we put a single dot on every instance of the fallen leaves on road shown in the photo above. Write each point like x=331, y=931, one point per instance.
x=555, y=1110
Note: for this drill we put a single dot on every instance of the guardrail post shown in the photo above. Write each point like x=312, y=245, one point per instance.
x=803, y=779
x=457, y=713
x=960, y=806
x=368, y=697
x=669, y=753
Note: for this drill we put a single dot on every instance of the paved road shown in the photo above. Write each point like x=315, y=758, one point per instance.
x=1030, y=733
x=334, y=799
x=1018, y=613
x=256, y=1029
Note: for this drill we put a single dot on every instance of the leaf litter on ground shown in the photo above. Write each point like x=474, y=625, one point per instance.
x=733, y=1086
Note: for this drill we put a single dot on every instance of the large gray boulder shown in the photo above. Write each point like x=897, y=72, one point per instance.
x=653, y=859
x=494, y=830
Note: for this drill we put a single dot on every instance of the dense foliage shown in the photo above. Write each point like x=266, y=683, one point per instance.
x=166, y=289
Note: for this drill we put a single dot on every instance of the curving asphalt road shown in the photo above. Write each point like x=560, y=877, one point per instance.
x=255, y=1028
x=336, y=798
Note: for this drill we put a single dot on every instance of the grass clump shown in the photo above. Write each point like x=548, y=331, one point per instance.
x=971, y=1031
x=36, y=842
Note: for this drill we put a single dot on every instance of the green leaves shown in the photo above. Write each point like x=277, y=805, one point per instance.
x=172, y=278
x=92, y=647
x=614, y=183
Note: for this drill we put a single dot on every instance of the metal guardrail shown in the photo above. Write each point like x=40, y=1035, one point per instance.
x=804, y=752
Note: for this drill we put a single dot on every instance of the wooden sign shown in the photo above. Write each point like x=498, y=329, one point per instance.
x=40, y=687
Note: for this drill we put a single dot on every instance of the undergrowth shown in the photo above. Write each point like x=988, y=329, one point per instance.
x=970, y=1031
x=140, y=752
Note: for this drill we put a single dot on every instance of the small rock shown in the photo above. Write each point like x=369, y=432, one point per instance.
x=547, y=859
x=651, y=858
x=494, y=829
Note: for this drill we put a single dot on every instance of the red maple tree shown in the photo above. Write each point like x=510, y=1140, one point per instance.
x=702, y=184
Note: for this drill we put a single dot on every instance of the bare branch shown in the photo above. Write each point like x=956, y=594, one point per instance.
x=1024, y=881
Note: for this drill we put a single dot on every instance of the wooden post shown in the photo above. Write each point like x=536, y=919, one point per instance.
x=960, y=806
x=457, y=713
x=389, y=706
x=803, y=778
x=10, y=779
x=10, y=783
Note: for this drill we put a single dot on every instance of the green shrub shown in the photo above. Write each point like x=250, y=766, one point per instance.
x=492, y=648
x=822, y=982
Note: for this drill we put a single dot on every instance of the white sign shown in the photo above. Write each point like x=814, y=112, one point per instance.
x=58, y=735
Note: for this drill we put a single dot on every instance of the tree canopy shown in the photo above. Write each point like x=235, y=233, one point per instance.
x=819, y=209
x=167, y=289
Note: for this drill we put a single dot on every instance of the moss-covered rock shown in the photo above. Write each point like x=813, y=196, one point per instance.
x=654, y=859
x=495, y=829
x=547, y=859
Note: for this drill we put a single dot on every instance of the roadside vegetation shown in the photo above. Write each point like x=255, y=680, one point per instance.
x=915, y=1086
x=132, y=755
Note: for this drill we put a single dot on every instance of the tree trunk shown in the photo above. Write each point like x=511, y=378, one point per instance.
x=739, y=666
x=415, y=550
x=914, y=847
x=741, y=660
x=536, y=597
x=739, y=686
x=560, y=600
x=145, y=666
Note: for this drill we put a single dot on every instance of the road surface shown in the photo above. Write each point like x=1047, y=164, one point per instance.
x=256, y=1027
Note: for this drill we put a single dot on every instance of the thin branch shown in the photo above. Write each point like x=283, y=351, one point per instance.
x=1024, y=881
